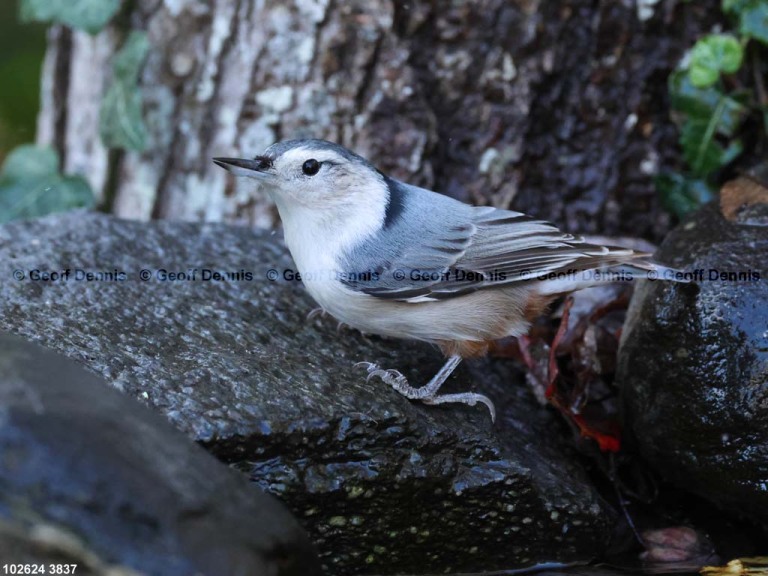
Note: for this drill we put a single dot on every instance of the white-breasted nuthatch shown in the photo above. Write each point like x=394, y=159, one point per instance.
x=393, y=259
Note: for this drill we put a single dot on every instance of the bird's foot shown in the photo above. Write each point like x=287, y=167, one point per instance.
x=428, y=392
x=468, y=398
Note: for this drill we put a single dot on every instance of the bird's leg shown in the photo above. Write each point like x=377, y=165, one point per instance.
x=428, y=393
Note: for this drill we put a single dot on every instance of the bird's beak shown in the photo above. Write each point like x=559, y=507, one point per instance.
x=260, y=167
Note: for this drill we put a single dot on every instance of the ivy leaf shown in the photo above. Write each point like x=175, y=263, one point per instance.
x=703, y=103
x=36, y=198
x=682, y=194
x=31, y=186
x=712, y=55
x=88, y=15
x=121, y=124
x=700, y=149
x=29, y=162
x=753, y=21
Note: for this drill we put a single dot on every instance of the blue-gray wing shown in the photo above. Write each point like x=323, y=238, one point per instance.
x=435, y=247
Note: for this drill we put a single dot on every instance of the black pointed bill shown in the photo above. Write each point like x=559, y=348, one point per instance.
x=259, y=167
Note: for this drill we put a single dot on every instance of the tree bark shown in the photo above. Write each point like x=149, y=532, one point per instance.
x=558, y=109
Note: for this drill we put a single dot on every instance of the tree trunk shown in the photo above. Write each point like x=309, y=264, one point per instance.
x=558, y=109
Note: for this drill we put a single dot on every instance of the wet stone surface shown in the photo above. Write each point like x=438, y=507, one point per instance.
x=383, y=485
x=693, y=365
x=92, y=478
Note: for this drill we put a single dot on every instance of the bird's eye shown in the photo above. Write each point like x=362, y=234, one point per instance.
x=310, y=167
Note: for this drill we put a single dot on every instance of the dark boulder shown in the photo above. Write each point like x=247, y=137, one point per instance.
x=693, y=365
x=92, y=478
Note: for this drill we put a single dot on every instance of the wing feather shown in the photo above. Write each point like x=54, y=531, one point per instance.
x=456, y=249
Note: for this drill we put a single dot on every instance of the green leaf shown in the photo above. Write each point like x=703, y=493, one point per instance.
x=35, y=198
x=28, y=162
x=685, y=97
x=713, y=55
x=121, y=123
x=128, y=61
x=753, y=21
x=30, y=186
x=700, y=149
x=681, y=194
x=88, y=15
x=703, y=103
x=735, y=6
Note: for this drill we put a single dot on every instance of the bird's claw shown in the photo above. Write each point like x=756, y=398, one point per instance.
x=368, y=365
x=391, y=377
x=468, y=398
x=315, y=312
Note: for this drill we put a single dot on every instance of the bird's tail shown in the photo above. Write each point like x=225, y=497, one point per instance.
x=627, y=266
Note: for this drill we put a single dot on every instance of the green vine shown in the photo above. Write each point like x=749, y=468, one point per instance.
x=711, y=104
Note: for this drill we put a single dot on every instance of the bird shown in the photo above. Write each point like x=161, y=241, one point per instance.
x=389, y=258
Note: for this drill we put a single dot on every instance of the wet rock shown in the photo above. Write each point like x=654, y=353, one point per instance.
x=382, y=484
x=91, y=478
x=693, y=365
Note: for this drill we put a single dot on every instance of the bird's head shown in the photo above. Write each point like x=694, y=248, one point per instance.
x=315, y=174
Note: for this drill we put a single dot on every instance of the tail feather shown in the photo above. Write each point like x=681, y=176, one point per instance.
x=626, y=267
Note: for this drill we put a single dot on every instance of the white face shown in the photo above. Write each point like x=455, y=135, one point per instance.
x=328, y=198
x=318, y=178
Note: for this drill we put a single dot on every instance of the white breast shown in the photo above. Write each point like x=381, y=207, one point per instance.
x=316, y=239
